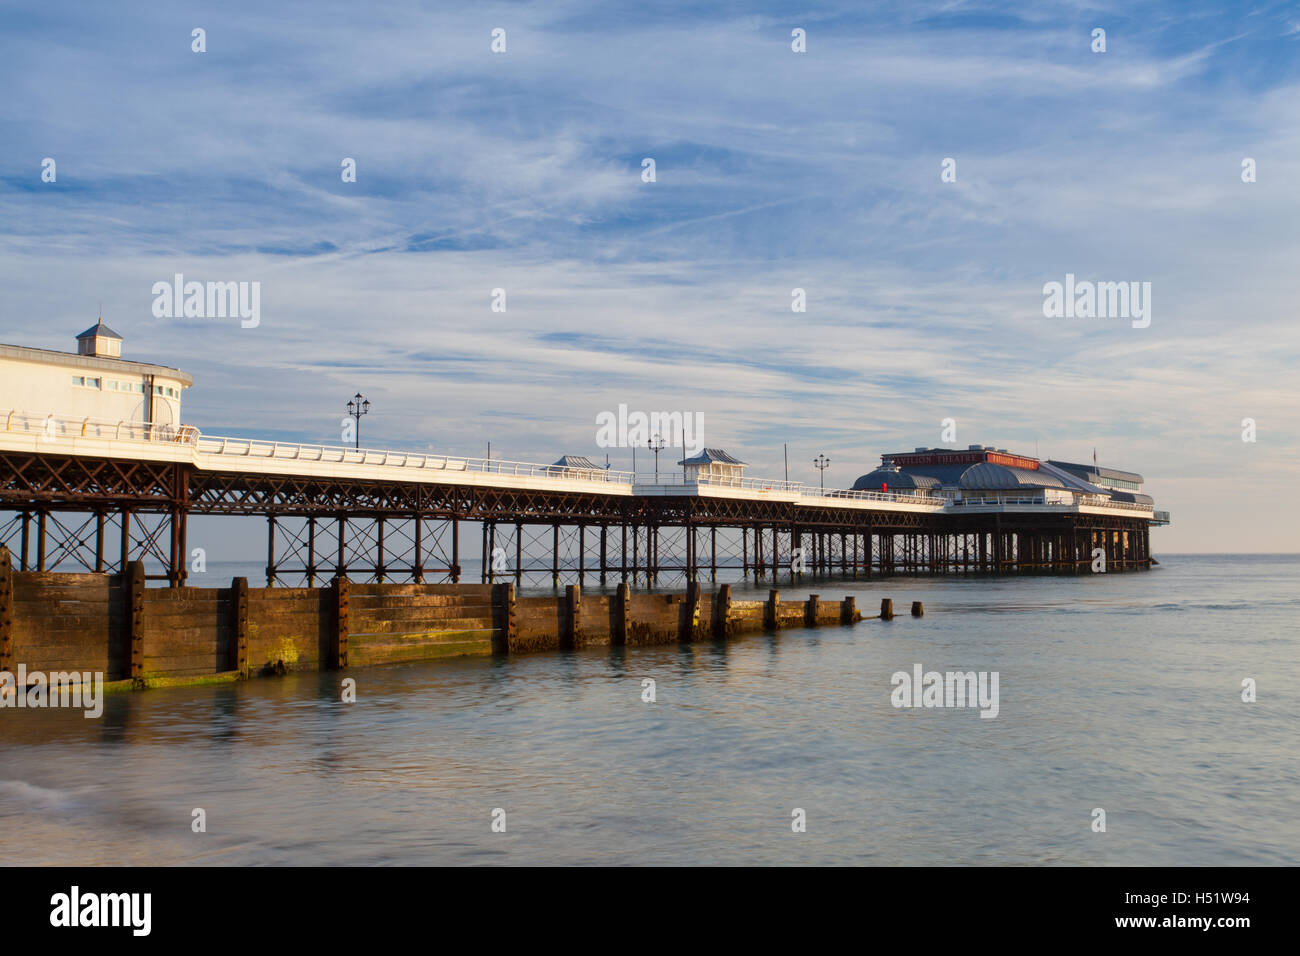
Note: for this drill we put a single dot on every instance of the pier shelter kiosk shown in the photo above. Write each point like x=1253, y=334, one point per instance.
x=712, y=466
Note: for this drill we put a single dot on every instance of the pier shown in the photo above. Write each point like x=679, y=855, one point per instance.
x=82, y=494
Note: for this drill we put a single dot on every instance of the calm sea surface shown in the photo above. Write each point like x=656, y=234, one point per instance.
x=1120, y=691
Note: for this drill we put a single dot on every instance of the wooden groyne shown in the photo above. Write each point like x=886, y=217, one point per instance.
x=113, y=624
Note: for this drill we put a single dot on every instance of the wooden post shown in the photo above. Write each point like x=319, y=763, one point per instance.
x=572, y=636
x=239, y=615
x=917, y=609
x=848, y=610
x=504, y=607
x=134, y=588
x=722, y=611
x=810, y=610
x=772, y=611
x=341, y=588
x=886, y=609
x=622, y=604
x=691, y=617
x=6, y=610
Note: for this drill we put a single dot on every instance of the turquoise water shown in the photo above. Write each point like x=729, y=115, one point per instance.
x=1120, y=692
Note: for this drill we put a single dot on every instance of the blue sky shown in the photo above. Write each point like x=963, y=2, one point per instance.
x=775, y=170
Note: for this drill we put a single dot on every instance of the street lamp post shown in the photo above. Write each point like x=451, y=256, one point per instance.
x=356, y=408
x=822, y=463
x=656, y=445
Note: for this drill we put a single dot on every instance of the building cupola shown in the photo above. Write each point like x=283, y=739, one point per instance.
x=100, y=341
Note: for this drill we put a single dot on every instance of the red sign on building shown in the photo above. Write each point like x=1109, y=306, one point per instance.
x=922, y=458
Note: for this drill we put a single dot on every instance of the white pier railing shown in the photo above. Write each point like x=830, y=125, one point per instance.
x=341, y=454
x=937, y=500
x=1087, y=501
x=720, y=481
x=56, y=426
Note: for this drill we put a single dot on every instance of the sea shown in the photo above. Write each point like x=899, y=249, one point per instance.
x=1142, y=718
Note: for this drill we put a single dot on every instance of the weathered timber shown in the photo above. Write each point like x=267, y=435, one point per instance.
x=114, y=624
x=505, y=617
x=339, y=658
x=135, y=630
x=239, y=623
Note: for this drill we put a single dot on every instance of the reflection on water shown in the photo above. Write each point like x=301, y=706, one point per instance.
x=1122, y=693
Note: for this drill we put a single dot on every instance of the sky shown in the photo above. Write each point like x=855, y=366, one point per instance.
x=775, y=170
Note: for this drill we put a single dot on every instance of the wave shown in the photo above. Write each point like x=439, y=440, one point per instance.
x=30, y=796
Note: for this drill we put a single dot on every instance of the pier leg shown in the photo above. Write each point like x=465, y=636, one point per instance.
x=23, y=563
x=270, y=551
x=342, y=566
x=555, y=555
x=99, y=542
x=125, y=530
x=180, y=567
x=519, y=552
x=417, y=566
x=690, y=559
x=653, y=548
x=455, y=550
x=311, y=552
